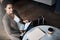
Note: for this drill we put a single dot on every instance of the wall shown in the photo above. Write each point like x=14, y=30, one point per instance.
x=1, y=1
x=57, y=9
x=3, y=35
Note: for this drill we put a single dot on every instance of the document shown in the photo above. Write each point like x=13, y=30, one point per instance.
x=35, y=34
x=27, y=25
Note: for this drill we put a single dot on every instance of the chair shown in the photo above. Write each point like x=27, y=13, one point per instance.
x=42, y=21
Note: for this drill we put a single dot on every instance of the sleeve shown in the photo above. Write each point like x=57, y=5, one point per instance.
x=7, y=28
x=7, y=25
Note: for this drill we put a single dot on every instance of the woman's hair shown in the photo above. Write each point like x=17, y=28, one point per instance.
x=6, y=3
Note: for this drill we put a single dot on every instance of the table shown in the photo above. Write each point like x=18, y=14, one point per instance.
x=54, y=36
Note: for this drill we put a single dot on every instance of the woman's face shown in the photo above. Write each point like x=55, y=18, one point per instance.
x=9, y=9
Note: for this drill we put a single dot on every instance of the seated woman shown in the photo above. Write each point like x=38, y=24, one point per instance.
x=10, y=24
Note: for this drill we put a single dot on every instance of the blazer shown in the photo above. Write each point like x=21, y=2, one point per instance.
x=10, y=26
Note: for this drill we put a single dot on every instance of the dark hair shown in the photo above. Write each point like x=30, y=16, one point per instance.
x=6, y=3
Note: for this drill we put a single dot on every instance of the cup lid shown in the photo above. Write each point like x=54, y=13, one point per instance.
x=50, y=29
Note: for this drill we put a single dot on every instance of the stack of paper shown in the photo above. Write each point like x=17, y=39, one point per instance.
x=27, y=25
x=35, y=34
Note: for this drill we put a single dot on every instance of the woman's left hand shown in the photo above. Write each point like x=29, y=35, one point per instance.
x=25, y=21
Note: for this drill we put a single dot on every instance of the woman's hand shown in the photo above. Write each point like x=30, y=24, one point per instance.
x=25, y=21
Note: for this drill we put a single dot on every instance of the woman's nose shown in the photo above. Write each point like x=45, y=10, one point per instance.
x=11, y=9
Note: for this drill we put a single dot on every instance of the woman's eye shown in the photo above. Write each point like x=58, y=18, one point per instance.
x=9, y=8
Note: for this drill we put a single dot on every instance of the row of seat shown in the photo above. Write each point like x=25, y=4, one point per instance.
x=39, y=21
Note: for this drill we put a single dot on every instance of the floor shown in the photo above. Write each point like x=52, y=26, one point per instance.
x=33, y=10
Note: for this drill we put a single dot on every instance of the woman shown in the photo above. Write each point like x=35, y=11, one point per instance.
x=10, y=24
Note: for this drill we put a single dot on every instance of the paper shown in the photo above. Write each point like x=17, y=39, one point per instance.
x=35, y=34
x=21, y=26
x=27, y=25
